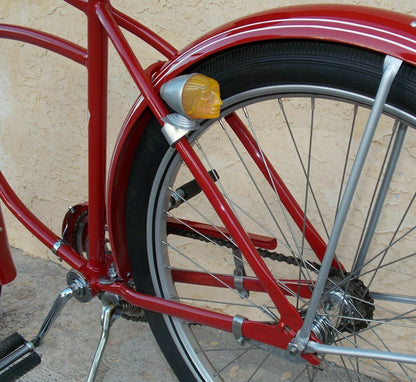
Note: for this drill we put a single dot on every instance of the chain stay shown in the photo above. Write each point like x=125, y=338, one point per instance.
x=352, y=286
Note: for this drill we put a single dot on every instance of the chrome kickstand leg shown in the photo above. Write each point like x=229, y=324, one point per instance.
x=30, y=346
x=109, y=314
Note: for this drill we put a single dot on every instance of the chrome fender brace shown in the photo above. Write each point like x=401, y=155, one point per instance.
x=301, y=342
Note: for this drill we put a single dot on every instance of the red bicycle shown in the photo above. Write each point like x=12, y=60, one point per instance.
x=276, y=223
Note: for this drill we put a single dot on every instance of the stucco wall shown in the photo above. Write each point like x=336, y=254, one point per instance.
x=43, y=114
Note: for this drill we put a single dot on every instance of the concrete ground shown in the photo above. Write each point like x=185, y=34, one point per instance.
x=131, y=353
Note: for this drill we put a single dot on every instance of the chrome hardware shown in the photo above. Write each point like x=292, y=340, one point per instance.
x=111, y=299
x=30, y=346
x=111, y=278
x=171, y=92
x=390, y=69
x=82, y=290
x=338, y=304
x=57, y=307
x=267, y=311
x=177, y=126
x=107, y=318
x=314, y=347
x=237, y=331
x=238, y=284
x=57, y=245
x=286, y=354
x=323, y=329
x=239, y=273
x=295, y=347
x=112, y=309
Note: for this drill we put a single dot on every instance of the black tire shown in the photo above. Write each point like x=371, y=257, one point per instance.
x=250, y=74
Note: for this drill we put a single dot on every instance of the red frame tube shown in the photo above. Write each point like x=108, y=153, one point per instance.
x=277, y=335
x=95, y=59
x=288, y=312
x=36, y=227
x=259, y=241
x=45, y=40
x=304, y=288
x=295, y=211
x=97, y=135
x=131, y=62
x=143, y=33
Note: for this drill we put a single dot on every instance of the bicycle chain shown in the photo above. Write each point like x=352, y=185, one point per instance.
x=355, y=287
x=280, y=257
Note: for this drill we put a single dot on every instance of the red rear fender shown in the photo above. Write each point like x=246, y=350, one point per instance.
x=7, y=269
x=375, y=29
x=371, y=28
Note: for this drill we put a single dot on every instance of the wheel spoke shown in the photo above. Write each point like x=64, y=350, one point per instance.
x=397, y=147
x=305, y=171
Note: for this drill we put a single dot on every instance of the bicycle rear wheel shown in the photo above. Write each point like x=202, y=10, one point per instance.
x=305, y=105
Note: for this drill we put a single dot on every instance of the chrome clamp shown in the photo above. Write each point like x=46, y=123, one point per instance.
x=56, y=247
x=177, y=126
x=239, y=273
x=236, y=328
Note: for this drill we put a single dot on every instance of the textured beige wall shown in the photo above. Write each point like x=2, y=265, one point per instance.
x=43, y=103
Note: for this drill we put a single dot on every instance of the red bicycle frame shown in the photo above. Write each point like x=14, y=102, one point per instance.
x=378, y=30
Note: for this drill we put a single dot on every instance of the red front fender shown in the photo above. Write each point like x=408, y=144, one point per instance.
x=374, y=29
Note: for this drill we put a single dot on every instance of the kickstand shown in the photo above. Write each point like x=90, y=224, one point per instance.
x=110, y=312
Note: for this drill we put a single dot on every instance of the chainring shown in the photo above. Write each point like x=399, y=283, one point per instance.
x=75, y=228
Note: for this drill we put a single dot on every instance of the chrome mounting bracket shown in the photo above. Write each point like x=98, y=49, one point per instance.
x=177, y=126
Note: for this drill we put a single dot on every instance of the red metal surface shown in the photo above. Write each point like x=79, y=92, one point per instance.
x=273, y=334
x=301, y=288
x=374, y=29
x=97, y=136
x=131, y=62
x=7, y=268
x=144, y=33
x=371, y=28
x=214, y=319
x=36, y=227
x=45, y=40
x=117, y=183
